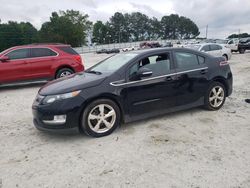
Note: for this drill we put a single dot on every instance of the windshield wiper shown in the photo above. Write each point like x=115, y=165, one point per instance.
x=93, y=72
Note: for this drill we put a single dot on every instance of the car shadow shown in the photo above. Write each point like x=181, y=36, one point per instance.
x=125, y=127
x=161, y=117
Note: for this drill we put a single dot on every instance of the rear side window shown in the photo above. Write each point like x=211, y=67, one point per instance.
x=186, y=60
x=68, y=50
x=201, y=60
x=42, y=52
x=18, y=54
x=205, y=48
x=215, y=47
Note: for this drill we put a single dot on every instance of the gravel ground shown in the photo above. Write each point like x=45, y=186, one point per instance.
x=193, y=148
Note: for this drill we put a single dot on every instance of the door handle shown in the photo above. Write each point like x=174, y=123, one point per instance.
x=169, y=78
x=204, y=71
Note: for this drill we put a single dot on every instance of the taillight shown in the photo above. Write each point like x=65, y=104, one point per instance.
x=78, y=58
x=223, y=63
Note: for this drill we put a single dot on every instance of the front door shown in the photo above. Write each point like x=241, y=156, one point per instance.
x=17, y=67
x=153, y=94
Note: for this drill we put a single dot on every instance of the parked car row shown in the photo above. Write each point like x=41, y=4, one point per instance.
x=216, y=50
x=108, y=51
x=123, y=88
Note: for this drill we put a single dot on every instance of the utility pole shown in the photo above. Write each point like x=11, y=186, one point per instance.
x=206, y=31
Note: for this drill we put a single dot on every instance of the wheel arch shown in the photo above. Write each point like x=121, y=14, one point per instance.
x=225, y=56
x=222, y=81
x=63, y=67
x=111, y=97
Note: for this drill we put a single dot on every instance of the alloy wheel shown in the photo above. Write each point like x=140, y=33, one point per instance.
x=216, y=96
x=101, y=118
x=65, y=73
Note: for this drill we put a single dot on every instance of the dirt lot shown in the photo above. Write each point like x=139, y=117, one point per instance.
x=194, y=148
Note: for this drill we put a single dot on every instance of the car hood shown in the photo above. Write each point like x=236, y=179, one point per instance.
x=74, y=82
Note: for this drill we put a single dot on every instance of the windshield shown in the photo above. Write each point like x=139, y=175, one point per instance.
x=113, y=63
x=194, y=47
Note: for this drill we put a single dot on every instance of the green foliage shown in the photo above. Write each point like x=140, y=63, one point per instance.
x=138, y=27
x=69, y=27
x=13, y=33
x=72, y=27
x=242, y=35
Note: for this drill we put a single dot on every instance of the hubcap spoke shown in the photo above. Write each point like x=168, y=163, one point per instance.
x=107, y=124
x=214, y=91
x=111, y=113
x=97, y=126
x=101, y=109
x=92, y=117
x=219, y=91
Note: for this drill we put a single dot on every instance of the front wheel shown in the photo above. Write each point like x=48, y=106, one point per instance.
x=100, y=118
x=215, y=96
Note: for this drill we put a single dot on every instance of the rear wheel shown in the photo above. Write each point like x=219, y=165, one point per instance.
x=242, y=51
x=100, y=118
x=64, y=72
x=215, y=96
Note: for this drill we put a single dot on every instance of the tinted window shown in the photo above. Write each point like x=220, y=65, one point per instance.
x=113, y=63
x=158, y=64
x=18, y=54
x=205, y=48
x=68, y=50
x=42, y=52
x=215, y=47
x=186, y=60
x=201, y=60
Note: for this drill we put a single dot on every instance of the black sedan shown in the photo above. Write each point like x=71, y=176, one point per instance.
x=132, y=86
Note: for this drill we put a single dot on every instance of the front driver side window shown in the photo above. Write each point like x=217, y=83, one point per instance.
x=18, y=54
x=158, y=64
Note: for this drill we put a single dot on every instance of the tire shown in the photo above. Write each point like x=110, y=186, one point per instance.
x=64, y=72
x=226, y=57
x=242, y=51
x=215, y=96
x=93, y=121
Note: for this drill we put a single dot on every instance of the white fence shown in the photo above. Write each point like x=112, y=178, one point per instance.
x=86, y=49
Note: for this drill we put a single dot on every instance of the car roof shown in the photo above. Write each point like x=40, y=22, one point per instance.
x=162, y=49
x=41, y=45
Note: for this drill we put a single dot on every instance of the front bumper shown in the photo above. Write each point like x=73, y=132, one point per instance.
x=44, y=115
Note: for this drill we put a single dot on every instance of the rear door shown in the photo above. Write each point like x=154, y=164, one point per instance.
x=216, y=50
x=17, y=67
x=192, y=76
x=41, y=62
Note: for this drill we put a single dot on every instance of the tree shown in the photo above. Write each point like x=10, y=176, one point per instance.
x=13, y=34
x=100, y=32
x=242, y=35
x=175, y=27
x=68, y=27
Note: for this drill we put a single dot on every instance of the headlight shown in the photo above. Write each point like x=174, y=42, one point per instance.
x=52, y=98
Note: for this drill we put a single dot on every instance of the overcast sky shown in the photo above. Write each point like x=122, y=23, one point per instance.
x=223, y=17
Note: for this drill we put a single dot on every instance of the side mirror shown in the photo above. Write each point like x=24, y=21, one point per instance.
x=144, y=72
x=4, y=58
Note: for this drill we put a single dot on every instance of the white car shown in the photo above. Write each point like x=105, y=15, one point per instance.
x=216, y=50
x=233, y=45
x=128, y=49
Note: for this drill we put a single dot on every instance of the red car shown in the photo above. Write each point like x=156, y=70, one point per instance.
x=38, y=62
